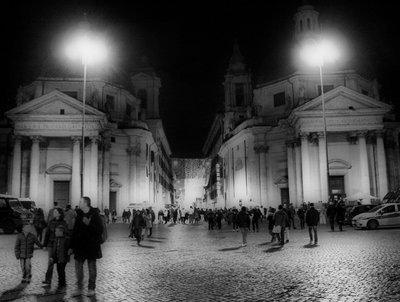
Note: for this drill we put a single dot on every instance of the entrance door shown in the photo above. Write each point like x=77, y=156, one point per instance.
x=61, y=193
x=284, y=196
x=336, y=187
x=113, y=201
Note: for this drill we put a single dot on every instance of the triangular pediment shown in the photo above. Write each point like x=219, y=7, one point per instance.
x=345, y=110
x=344, y=99
x=142, y=76
x=54, y=103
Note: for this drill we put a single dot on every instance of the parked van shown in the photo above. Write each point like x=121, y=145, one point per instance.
x=12, y=214
x=27, y=203
x=384, y=215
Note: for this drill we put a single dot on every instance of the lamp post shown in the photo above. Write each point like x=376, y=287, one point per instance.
x=316, y=53
x=89, y=49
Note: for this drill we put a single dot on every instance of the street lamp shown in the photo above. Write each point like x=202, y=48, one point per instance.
x=316, y=53
x=89, y=49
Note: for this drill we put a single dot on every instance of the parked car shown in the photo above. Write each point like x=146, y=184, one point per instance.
x=385, y=215
x=28, y=204
x=12, y=214
x=357, y=209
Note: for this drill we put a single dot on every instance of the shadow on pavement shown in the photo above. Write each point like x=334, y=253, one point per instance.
x=265, y=243
x=230, y=249
x=275, y=248
x=13, y=293
x=310, y=246
x=145, y=246
x=158, y=237
x=152, y=240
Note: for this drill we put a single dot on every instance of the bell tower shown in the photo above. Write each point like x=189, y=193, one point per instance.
x=238, y=88
x=306, y=22
x=147, y=88
x=238, y=91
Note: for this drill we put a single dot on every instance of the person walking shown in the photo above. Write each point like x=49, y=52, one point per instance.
x=49, y=238
x=292, y=215
x=24, y=246
x=301, y=215
x=69, y=217
x=281, y=219
x=271, y=223
x=39, y=223
x=149, y=223
x=243, y=222
x=340, y=214
x=86, y=243
x=322, y=215
x=256, y=218
x=60, y=255
x=107, y=215
x=210, y=219
x=137, y=224
x=312, y=220
x=331, y=213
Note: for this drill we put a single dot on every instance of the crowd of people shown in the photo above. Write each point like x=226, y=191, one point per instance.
x=78, y=232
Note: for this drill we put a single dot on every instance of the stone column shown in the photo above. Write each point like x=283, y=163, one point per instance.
x=291, y=173
x=299, y=188
x=94, y=158
x=323, y=167
x=364, y=171
x=106, y=175
x=34, y=168
x=132, y=173
x=76, y=171
x=16, y=172
x=261, y=151
x=381, y=162
x=305, y=163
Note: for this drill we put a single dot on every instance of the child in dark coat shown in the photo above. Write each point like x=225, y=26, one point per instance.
x=60, y=255
x=24, y=246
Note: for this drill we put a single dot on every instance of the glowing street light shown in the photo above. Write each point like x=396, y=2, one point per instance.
x=90, y=50
x=317, y=53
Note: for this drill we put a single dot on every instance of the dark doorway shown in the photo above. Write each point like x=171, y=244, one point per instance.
x=113, y=201
x=336, y=187
x=285, y=196
x=61, y=193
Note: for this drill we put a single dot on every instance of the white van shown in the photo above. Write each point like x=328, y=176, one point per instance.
x=385, y=215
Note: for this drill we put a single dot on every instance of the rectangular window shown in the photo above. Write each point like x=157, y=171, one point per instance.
x=364, y=92
x=113, y=139
x=279, y=99
x=326, y=88
x=62, y=111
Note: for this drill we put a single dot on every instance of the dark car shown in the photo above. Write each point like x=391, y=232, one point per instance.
x=358, y=209
x=12, y=214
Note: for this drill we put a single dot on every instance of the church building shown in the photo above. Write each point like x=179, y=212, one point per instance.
x=126, y=152
x=268, y=146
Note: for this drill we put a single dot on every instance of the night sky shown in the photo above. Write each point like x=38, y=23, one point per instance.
x=189, y=45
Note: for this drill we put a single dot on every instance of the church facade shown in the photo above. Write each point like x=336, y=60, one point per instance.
x=126, y=152
x=269, y=147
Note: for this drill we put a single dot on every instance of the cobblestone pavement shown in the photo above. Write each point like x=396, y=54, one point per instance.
x=190, y=263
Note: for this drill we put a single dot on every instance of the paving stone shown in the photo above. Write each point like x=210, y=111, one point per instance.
x=190, y=263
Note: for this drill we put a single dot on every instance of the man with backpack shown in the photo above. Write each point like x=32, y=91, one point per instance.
x=87, y=237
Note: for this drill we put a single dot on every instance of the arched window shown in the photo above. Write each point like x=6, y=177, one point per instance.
x=308, y=23
x=301, y=25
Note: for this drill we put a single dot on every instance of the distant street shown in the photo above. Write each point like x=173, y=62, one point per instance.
x=190, y=263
